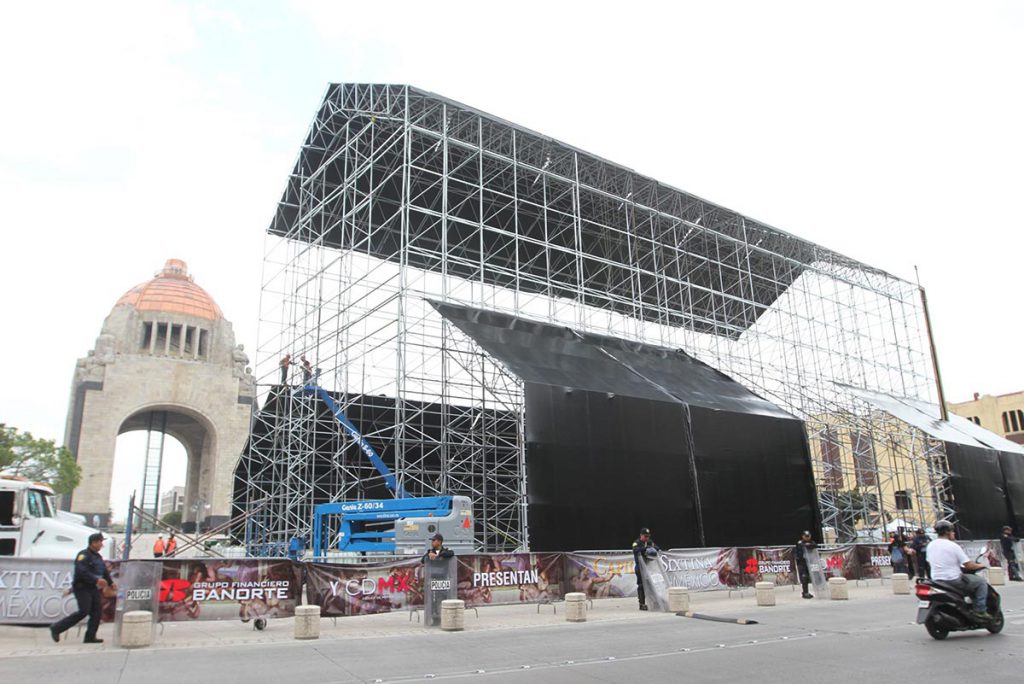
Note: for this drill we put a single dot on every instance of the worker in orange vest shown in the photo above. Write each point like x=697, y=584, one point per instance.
x=158, y=547
x=172, y=544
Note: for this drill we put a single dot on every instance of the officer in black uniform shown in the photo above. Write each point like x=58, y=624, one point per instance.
x=437, y=549
x=91, y=577
x=643, y=547
x=805, y=543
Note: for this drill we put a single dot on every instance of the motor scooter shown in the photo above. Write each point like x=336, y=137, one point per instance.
x=944, y=607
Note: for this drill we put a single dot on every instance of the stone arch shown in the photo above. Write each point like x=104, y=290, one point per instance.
x=198, y=434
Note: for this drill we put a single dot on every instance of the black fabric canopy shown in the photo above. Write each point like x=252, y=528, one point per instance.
x=622, y=435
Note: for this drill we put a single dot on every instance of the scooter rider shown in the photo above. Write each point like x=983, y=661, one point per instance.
x=643, y=547
x=949, y=563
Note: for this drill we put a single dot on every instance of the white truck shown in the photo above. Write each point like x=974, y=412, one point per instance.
x=32, y=527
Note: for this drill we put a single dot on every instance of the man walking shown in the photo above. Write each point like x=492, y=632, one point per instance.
x=1008, y=542
x=804, y=544
x=158, y=546
x=172, y=546
x=643, y=547
x=91, y=578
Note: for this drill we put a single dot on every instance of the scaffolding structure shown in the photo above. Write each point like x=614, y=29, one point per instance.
x=401, y=197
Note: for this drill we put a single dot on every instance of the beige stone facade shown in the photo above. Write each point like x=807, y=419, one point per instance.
x=164, y=351
x=1003, y=414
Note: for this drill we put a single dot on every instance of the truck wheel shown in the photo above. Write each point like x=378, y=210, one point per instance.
x=260, y=624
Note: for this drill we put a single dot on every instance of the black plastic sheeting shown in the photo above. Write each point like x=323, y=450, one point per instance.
x=978, y=495
x=622, y=435
x=1012, y=466
x=986, y=470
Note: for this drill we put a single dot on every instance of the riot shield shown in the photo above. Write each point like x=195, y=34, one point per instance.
x=655, y=584
x=440, y=582
x=817, y=570
x=137, y=590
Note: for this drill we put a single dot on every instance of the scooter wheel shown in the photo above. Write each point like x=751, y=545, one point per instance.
x=996, y=625
x=938, y=633
x=260, y=624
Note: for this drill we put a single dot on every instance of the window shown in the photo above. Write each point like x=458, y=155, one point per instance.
x=37, y=504
x=147, y=335
x=161, y=338
x=1013, y=421
x=176, y=333
x=864, y=466
x=903, y=500
x=832, y=458
x=204, y=341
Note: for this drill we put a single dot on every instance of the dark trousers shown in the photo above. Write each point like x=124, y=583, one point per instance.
x=640, y=589
x=805, y=575
x=1012, y=568
x=89, y=605
x=921, y=565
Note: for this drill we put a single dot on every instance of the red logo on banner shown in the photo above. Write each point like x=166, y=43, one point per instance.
x=389, y=584
x=752, y=567
x=173, y=589
x=834, y=562
x=466, y=524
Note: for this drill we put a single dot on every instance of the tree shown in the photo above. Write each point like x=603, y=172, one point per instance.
x=173, y=519
x=39, y=460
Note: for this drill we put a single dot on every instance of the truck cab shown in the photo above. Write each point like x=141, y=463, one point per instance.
x=32, y=527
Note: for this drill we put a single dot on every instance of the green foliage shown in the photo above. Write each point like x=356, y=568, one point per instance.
x=39, y=460
x=173, y=519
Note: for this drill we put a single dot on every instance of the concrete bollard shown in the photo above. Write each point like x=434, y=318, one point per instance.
x=900, y=583
x=837, y=589
x=765, y=593
x=996, y=575
x=453, y=615
x=678, y=599
x=576, y=607
x=307, y=622
x=136, y=629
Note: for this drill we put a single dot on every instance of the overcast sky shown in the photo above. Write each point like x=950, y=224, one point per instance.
x=131, y=132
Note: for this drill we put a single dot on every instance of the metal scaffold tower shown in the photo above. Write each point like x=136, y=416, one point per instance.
x=400, y=198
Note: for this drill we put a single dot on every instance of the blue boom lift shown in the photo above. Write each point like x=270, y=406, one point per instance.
x=402, y=525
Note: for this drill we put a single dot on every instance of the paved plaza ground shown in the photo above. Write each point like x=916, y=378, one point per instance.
x=865, y=639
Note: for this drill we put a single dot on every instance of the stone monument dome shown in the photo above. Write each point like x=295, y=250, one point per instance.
x=173, y=290
x=165, y=362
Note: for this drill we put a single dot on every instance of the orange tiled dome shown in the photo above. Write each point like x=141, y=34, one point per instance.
x=172, y=291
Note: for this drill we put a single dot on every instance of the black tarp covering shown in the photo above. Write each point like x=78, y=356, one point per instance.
x=1012, y=466
x=986, y=470
x=616, y=432
x=977, y=483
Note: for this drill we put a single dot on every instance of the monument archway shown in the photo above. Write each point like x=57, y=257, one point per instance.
x=165, y=361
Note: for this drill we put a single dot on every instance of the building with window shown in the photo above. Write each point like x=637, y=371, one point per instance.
x=1002, y=413
x=172, y=500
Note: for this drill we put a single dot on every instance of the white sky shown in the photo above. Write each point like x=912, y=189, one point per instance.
x=131, y=132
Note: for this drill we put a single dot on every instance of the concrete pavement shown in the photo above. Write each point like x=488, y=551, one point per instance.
x=870, y=636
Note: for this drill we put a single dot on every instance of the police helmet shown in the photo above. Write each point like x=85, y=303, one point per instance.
x=645, y=530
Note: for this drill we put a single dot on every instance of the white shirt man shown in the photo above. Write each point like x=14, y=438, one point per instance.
x=949, y=562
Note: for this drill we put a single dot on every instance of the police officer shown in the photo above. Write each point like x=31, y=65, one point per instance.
x=804, y=544
x=644, y=547
x=437, y=549
x=91, y=578
x=1007, y=541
